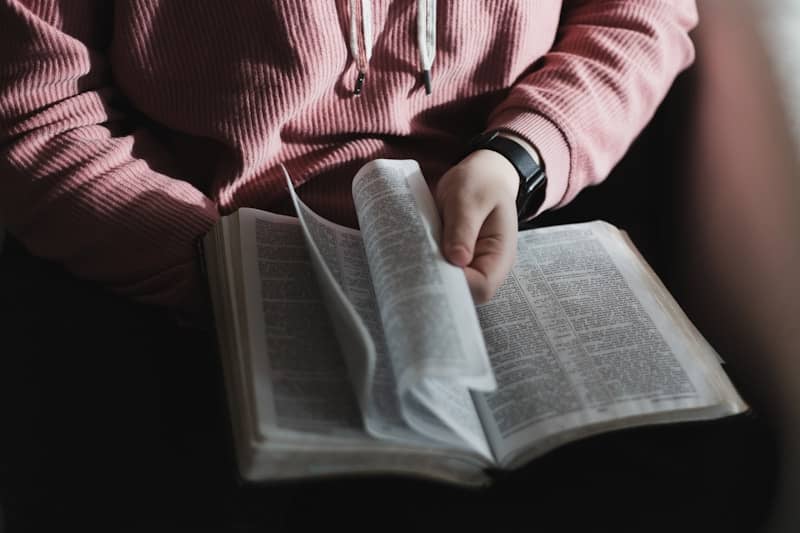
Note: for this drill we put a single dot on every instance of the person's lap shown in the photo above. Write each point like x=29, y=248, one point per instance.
x=113, y=417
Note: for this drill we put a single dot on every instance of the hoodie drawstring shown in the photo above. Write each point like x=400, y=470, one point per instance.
x=426, y=38
x=361, y=39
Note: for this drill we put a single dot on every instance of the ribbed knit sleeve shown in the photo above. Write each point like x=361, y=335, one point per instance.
x=79, y=183
x=612, y=63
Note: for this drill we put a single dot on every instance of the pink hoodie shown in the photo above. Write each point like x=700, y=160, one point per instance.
x=126, y=128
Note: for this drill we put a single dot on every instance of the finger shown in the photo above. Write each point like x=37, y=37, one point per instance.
x=462, y=219
x=479, y=285
x=487, y=272
x=494, y=255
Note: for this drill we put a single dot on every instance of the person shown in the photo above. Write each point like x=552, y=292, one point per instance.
x=128, y=128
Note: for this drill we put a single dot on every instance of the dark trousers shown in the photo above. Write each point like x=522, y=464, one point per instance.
x=113, y=418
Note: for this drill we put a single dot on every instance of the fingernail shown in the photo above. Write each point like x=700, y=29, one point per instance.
x=458, y=254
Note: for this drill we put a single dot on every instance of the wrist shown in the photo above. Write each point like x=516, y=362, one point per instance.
x=523, y=157
x=490, y=163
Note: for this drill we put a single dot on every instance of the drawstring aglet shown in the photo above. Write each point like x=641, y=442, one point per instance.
x=359, y=83
x=426, y=78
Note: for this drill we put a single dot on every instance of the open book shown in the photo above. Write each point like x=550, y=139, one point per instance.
x=362, y=352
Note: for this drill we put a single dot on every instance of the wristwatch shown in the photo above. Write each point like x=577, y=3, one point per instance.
x=532, y=178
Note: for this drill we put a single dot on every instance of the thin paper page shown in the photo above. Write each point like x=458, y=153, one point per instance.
x=427, y=310
x=428, y=315
x=442, y=408
x=297, y=370
x=576, y=338
x=341, y=266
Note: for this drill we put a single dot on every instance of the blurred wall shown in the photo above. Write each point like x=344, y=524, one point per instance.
x=742, y=211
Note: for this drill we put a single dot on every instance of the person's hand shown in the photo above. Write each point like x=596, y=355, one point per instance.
x=477, y=202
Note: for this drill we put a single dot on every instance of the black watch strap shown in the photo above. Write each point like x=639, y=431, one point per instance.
x=532, y=178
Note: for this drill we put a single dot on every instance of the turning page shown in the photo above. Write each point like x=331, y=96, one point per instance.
x=294, y=365
x=337, y=253
x=437, y=409
x=291, y=400
x=432, y=331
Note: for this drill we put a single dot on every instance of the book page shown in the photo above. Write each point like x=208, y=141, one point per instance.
x=431, y=328
x=579, y=336
x=296, y=369
x=337, y=252
x=291, y=412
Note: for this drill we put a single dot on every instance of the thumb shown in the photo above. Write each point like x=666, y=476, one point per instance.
x=462, y=221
